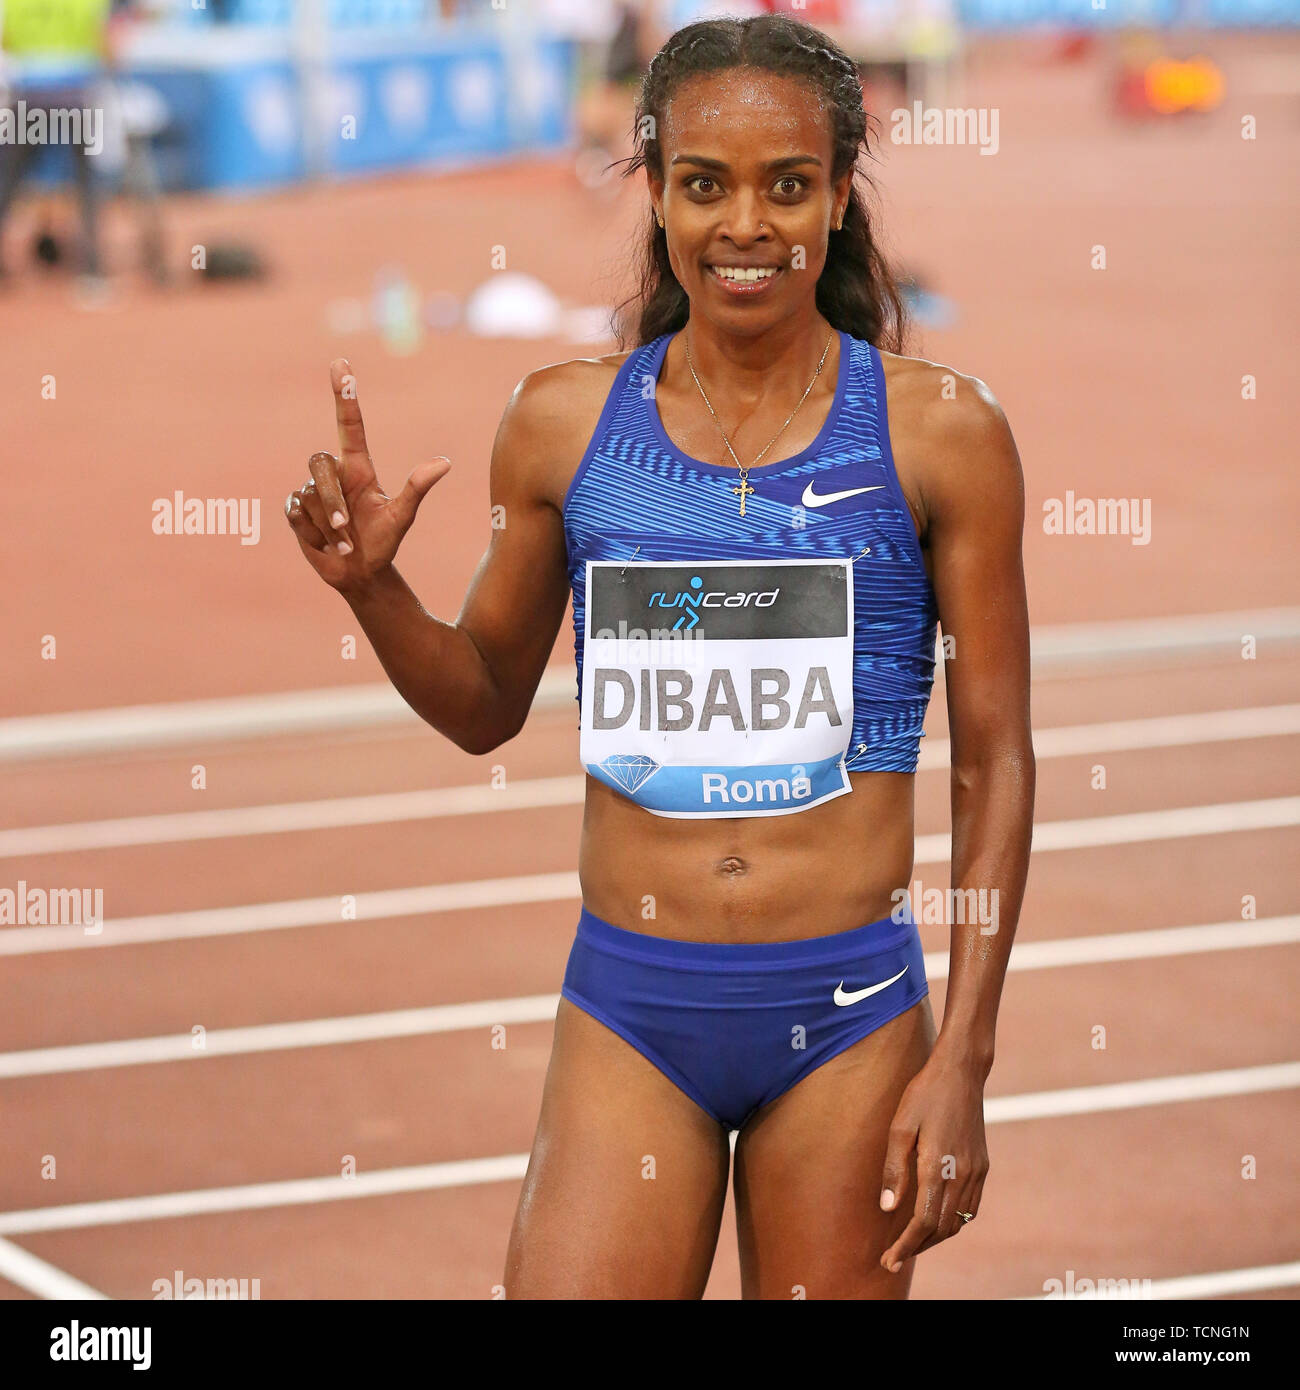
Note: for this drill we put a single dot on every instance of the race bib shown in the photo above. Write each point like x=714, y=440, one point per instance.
x=721, y=689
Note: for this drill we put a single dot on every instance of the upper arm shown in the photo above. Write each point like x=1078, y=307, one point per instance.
x=517, y=596
x=974, y=502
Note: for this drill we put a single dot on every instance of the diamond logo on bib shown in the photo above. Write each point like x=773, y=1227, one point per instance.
x=630, y=770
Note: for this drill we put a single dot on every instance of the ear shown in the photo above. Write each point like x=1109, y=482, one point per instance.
x=842, y=186
x=656, y=190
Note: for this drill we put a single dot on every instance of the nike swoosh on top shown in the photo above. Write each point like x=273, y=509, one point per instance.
x=844, y=997
x=824, y=499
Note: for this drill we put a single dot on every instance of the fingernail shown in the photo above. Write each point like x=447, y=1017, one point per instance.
x=345, y=548
x=338, y=519
x=887, y=1200
x=894, y=1268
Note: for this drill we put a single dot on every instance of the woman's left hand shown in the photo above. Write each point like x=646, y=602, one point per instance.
x=940, y=1118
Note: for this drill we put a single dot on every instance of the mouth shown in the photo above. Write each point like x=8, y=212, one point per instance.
x=745, y=281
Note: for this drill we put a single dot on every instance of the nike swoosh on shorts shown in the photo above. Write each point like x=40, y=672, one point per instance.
x=844, y=997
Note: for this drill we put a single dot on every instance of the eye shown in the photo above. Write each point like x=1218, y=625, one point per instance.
x=697, y=179
x=790, y=185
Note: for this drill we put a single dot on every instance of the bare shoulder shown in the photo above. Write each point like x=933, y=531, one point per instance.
x=550, y=419
x=940, y=403
x=948, y=433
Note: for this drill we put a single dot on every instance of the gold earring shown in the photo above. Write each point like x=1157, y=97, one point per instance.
x=661, y=222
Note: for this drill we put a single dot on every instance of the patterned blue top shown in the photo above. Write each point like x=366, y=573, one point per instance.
x=636, y=497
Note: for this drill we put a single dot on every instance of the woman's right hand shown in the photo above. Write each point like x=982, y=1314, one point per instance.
x=346, y=524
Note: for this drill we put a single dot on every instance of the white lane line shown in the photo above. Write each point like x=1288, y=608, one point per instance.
x=296, y=912
x=424, y=1177
x=274, y=1037
x=37, y=1276
x=1178, y=823
x=1131, y=1095
x=1213, y=1285
x=1227, y=1281
x=329, y=814
x=1232, y=935
x=540, y=1008
x=1164, y=731
x=1070, y=645
x=130, y=727
x=300, y=1191
x=1089, y=833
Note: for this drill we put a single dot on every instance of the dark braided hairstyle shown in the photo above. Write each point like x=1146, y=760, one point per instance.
x=856, y=291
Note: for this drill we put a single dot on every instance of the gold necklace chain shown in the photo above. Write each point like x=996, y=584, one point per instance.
x=744, y=489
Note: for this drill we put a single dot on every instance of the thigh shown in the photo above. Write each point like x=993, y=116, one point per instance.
x=809, y=1168
x=625, y=1186
x=14, y=160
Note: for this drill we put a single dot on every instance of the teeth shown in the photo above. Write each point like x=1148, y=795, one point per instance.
x=728, y=272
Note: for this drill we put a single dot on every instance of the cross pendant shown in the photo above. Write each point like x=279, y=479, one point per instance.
x=743, y=490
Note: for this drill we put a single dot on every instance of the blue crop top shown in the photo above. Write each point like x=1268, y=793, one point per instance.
x=742, y=666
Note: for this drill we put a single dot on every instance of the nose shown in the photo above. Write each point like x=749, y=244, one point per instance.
x=742, y=226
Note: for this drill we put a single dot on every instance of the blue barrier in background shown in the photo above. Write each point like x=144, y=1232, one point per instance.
x=397, y=100
x=1114, y=14
x=1021, y=14
x=341, y=13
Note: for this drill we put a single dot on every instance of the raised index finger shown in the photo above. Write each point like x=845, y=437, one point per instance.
x=357, y=470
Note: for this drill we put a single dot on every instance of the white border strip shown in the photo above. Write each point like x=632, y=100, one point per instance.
x=177, y=827
x=540, y=1008
x=133, y=727
x=508, y=1167
x=1089, y=833
x=37, y=1276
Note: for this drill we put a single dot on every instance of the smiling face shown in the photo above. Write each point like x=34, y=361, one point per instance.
x=747, y=197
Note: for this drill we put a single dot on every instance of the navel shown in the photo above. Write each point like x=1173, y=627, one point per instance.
x=732, y=866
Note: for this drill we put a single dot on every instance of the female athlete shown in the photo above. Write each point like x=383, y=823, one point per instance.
x=761, y=512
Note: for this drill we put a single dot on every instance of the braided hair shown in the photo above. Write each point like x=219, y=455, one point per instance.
x=856, y=291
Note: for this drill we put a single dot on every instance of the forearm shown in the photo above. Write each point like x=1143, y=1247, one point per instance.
x=992, y=821
x=435, y=666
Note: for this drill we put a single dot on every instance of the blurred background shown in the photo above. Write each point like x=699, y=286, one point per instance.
x=281, y=964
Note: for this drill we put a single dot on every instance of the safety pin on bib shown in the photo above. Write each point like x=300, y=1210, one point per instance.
x=623, y=572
